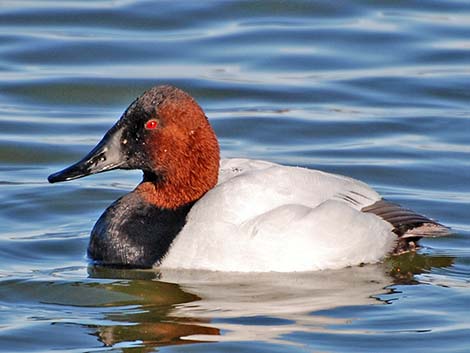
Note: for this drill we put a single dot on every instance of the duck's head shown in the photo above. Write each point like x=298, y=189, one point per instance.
x=166, y=134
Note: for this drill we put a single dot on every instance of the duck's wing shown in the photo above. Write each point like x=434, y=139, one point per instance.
x=406, y=223
x=306, y=186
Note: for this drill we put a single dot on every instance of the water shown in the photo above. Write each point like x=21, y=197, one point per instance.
x=375, y=90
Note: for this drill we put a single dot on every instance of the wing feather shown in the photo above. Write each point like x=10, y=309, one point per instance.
x=407, y=223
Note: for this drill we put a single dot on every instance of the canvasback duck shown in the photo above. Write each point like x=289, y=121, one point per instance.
x=193, y=211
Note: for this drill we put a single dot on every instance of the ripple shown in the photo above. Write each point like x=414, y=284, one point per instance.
x=374, y=90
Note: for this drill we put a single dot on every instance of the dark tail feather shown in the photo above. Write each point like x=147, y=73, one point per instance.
x=407, y=224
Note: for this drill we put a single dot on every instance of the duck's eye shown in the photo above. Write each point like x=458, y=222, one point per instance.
x=151, y=124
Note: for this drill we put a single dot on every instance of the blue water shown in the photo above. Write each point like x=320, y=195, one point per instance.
x=379, y=91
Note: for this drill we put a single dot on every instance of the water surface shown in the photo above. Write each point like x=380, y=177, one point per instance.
x=375, y=90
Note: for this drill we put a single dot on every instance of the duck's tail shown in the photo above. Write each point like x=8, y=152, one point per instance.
x=407, y=224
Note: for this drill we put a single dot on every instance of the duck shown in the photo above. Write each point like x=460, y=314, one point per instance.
x=194, y=210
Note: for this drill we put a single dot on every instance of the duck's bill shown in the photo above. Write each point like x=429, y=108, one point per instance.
x=107, y=155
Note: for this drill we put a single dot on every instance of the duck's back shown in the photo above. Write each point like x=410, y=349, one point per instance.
x=266, y=217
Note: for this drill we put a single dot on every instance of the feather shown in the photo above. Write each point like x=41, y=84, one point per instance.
x=407, y=223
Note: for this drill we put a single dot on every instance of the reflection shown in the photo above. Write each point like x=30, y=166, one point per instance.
x=139, y=310
x=261, y=306
x=404, y=267
x=151, y=324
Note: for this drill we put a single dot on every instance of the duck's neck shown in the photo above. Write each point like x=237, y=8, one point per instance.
x=186, y=179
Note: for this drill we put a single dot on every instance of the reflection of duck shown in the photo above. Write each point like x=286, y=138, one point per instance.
x=260, y=217
x=133, y=308
x=403, y=268
x=146, y=316
x=271, y=304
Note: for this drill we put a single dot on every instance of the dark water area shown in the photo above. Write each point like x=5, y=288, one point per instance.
x=379, y=91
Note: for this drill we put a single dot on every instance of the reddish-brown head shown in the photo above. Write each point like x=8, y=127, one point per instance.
x=165, y=133
x=181, y=146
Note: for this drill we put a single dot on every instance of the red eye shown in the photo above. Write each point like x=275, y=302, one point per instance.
x=151, y=124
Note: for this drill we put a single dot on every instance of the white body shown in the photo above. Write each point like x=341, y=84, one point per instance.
x=266, y=217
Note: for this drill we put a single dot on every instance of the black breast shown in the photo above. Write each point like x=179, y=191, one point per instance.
x=134, y=233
